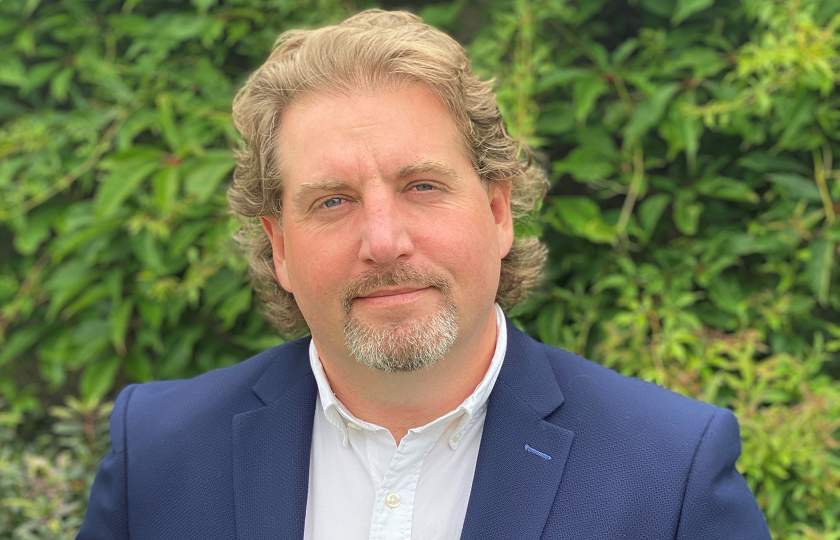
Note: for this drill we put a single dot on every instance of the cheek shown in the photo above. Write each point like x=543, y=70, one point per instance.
x=315, y=267
x=470, y=248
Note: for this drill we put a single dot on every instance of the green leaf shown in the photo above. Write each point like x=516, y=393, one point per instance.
x=138, y=366
x=687, y=213
x=585, y=94
x=60, y=84
x=122, y=182
x=29, y=7
x=562, y=77
x=98, y=378
x=682, y=130
x=581, y=216
x=800, y=116
x=687, y=8
x=202, y=181
x=795, y=186
x=444, y=15
x=584, y=164
x=556, y=119
x=596, y=158
x=650, y=112
x=599, y=140
x=179, y=352
x=234, y=305
x=40, y=74
x=650, y=211
x=725, y=188
x=166, y=184
x=66, y=283
x=819, y=268
x=9, y=286
x=203, y=5
x=35, y=230
x=662, y=8
x=21, y=341
x=118, y=322
x=12, y=72
x=726, y=294
x=761, y=161
x=703, y=61
x=166, y=121
x=91, y=295
x=624, y=50
x=550, y=323
x=148, y=250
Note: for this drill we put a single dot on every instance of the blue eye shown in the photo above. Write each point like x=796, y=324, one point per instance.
x=424, y=187
x=329, y=203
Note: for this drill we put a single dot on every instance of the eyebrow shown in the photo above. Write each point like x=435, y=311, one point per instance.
x=299, y=199
x=427, y=166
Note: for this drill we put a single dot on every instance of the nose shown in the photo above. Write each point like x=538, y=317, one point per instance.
x=385, y=234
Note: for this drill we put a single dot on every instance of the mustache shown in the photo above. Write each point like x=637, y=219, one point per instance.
x=397, y=274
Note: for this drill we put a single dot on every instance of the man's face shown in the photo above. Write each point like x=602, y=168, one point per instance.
x=388, y=239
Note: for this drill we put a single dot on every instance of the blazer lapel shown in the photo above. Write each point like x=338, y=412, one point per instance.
x=522, y=456
x=271, y=447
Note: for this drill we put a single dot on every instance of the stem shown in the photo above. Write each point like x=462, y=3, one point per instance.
x=17, y=302
x=618, y=82
x=523, y=78
x=819, y=177
x=655, y=342
x=635, y=186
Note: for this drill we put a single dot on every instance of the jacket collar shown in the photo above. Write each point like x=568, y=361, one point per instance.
x=518, y=471
x=522, y=456
x=271, y=448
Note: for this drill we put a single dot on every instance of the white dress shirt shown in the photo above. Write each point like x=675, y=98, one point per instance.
x=363, y=486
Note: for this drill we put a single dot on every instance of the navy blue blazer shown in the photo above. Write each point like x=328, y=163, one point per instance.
x=226, y=455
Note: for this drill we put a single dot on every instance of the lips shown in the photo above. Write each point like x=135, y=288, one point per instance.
x=392, y=292
x=391, y=286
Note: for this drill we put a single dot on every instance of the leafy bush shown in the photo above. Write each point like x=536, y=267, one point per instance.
x=692, y=220
x=115, y=145
x=46, y=484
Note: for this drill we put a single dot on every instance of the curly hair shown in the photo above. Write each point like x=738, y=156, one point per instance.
x=364, y=52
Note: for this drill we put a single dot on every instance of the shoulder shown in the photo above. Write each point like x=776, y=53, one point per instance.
x=217, y=394
x=580, y=378
x=602, y=391
x=644, y=458
x=634, y=412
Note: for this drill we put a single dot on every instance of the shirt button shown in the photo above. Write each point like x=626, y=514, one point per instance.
x=392, y=500
x=456, y=437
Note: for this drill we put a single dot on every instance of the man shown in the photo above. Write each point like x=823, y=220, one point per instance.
x=378, y=168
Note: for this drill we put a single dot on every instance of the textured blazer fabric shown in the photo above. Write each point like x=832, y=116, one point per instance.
x=570, y=450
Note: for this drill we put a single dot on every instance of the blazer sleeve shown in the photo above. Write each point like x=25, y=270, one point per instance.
x=717, y=502
x=107, y=511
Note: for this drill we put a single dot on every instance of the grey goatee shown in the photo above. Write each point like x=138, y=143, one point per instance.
x=403, y=346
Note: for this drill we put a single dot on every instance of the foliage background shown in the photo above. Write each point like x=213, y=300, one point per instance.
x=692, y=219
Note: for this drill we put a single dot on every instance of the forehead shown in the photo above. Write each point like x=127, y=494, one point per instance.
x=373, y=132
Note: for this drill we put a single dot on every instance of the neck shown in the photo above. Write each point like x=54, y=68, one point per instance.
x=401, y=401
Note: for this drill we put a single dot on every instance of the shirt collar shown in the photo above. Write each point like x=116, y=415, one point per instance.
x=472, y=407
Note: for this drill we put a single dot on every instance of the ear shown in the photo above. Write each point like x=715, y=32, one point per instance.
x=499, y=193
x=275, y=236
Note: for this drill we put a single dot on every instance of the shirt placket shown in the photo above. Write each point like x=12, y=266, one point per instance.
x=394, y=505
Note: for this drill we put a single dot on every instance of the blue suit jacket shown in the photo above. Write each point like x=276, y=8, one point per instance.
x=226, y=455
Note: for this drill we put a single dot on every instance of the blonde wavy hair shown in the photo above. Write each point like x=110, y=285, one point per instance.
x=365, y=52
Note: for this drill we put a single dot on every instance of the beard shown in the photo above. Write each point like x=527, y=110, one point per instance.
x=403, y=346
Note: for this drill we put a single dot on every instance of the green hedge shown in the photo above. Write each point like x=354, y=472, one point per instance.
x=692, y=220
